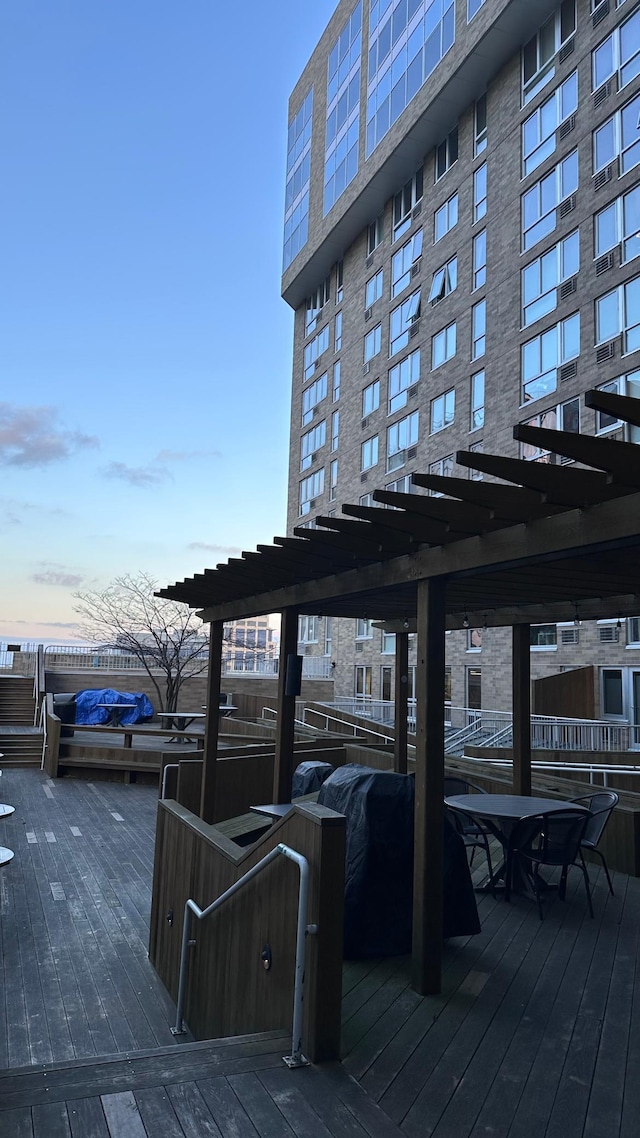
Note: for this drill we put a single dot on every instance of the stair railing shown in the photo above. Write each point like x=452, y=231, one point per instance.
x=38, y=683
x=296, y=1058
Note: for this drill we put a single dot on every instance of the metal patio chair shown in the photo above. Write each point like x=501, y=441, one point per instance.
x=474, y=834
x=600, y=807
x=547, y=839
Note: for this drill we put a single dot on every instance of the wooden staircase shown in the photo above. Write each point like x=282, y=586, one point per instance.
x=238, y=1085
x=20, y=741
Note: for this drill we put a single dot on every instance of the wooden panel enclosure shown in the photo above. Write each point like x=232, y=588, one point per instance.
x=570, y=695
x=229, y=992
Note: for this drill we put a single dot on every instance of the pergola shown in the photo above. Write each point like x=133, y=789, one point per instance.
x=547, y=542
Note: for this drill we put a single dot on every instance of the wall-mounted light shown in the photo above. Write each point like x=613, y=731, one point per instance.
x=465, y=623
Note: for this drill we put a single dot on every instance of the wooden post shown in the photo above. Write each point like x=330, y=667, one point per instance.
x=400, y=697
x=521, y=680
x=212, y=722
x=283, y=765
x=429, y=808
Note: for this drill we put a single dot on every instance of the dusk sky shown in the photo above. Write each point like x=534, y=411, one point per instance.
x=145, y=352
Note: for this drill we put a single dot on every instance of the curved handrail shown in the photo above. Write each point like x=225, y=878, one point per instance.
x=296, y=1058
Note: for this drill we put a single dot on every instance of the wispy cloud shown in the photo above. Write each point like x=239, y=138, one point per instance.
x=136, y=475
x=231, y=550
x=185, y=455
x=29, y=437
x=60, y=575
x=15, y=512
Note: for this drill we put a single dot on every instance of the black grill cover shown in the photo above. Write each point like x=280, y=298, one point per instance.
x=378, y=806
x=309, y=776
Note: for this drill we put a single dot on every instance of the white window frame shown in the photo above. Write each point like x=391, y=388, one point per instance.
x=309, y=489
x=479, y=193
x=625, y=302
x=479, y=260
x=627, y=117
x=311, y=396
x=626, y=227
x=445, y=341
x=335, y=430
x=443, y=467
x=307, y=630
x=402, y=376
x=372, y=343
x=370, y=398
x=311, y=442
x=442, y=411
x=545, y=196
x=444, y=281
x=333, y=480
x=448, y=215
x=563, y=417
x=373, y=288
x=401, y=436
x=556, y=37
x=446, y=154
x=369, y=453
x=405, y=201
x=612, y=46
x=401, y=320
x=364, y=628
x=403, y=261
x=627, y=384
x=556, y=338
x=478, y=330
x=315, y=303
x=477, y=400
x=480, y=125
x=539, y=129
x=314, y=349
x=375, y=234
x=542, y=277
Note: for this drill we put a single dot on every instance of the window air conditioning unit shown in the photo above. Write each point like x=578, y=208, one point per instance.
x=365, y=423
x=412, y=452
x=568, y=371
x=568, y=288
x=415, y=328
x=369, y=260
x=567, y=126
x=366, y=369
x=602, y=177
x=567, y=205
x=604, y=263
x=417, y=210
x=601, y=94
x=368, y=313
x=600, y=12
x=567, y=49
x=413, y=391
x=416, y=267
x=363, y=478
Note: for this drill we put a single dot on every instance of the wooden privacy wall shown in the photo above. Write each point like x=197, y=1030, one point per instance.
x=229, y=992
x=569, y=695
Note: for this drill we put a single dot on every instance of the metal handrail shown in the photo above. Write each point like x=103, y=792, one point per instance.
x=173, y=767
x=543, y=765
x=43, y=728
x=296, y=1058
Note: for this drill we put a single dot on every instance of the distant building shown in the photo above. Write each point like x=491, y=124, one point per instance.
x=462, y=253
x=250, y=644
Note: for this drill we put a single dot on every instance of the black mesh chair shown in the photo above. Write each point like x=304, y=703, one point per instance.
x=474, y=834
x=547, y=839
x=600, y=807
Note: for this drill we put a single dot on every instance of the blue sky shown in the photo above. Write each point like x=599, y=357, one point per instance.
x=145, y=352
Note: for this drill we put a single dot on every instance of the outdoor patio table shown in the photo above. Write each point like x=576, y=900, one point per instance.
x=116, y=711
x=180, y=720
x=501, y=812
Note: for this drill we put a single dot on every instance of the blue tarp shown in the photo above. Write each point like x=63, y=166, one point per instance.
x=87, y=710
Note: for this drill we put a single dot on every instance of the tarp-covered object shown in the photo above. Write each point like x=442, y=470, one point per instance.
x=378, y=910
x=309, y=776
x=87, y=710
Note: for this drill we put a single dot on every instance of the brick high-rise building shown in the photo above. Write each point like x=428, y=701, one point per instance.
x=462, y=252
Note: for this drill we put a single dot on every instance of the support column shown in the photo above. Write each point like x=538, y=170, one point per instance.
x=283, y=765
x=429, y=808
x=521, y=679
x=212, y=723
x=400, y=697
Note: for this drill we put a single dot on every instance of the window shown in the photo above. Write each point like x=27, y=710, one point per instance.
x=366, y=499
x=446, y=154
x=362, y=681
x=538, y=54
x=296, y=202
x=328, y=636
x=480, y=259
x=543, y=636
x=539, y=204
x=375, y=234
x=314, y=350
x=333, y=480
x=479, y=192
x=633, y=630
x=443, y=345
x=620, y=53
x=480, y=126
x=444, y=280
x=539, y=129
x=311, y=397
x=369, y=453
x=310, y=442
x=315, y=304
x=402, y=485
x=307, y=630
x=400, y=436
x=474, y=474
x=339, y=282
x=442, y=411
x=541, y=279
x=371, y=398
x=564, y=417
x=445, y=218
x=336, y=380
x=612, y=701
x=388, y=642
x=403, y=261
x=400, y=322
x=343, y=109
x=372, y=343
x=477, y=401
x=373, y=290
x=618, y=313
x=542, y=356
x=404, y=202
x=401, y=377
x=623, y=385
x=338, y=341
x=619, y=224
x=474, y=639
x=310, y=489
x=478, y=329
x=364, y=629
x=416, y=37
x=443, y=467
x=619, y=135
x=335, y=430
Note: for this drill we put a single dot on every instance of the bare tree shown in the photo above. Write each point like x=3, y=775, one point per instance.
x=166, y=637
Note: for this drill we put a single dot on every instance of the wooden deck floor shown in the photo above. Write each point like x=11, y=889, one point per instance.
x=536, y=1033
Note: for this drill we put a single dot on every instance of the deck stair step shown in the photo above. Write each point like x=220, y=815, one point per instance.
x=20, y=746
x=17, y=703
x=190, y=1079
